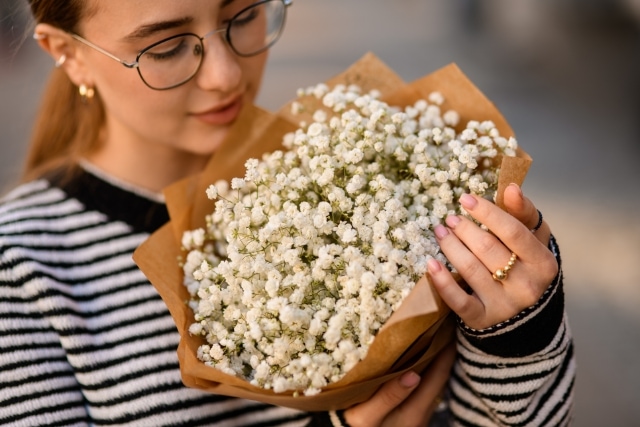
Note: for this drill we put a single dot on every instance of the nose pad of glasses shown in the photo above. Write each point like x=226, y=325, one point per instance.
x=198, y=50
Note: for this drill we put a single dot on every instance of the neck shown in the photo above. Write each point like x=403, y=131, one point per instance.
x=149, y=169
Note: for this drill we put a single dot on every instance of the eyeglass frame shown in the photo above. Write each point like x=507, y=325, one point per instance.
x=226, y=29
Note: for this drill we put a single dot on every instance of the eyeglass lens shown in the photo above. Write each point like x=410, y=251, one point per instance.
x=174, y=61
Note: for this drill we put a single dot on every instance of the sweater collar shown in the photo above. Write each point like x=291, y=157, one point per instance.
x=119, y=202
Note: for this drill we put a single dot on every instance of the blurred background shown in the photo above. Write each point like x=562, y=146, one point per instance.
x=565, y=75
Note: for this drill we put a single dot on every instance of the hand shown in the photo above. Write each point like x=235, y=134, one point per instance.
x=408, y=400
x=477, y=254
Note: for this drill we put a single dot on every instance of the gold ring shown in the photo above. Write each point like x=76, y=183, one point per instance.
x=502, y=273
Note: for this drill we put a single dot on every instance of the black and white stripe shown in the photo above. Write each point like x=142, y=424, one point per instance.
x=85, y=338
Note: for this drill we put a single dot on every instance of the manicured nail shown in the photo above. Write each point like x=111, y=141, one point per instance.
x=518, y=189
x=468, y=201
x=440, y=231
x=452, y=220
x=433, y=266
x=409, y=379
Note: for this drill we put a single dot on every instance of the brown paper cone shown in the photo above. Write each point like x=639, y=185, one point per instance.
x=414, y=334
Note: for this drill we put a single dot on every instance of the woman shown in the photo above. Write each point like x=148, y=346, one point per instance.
x=143, y=94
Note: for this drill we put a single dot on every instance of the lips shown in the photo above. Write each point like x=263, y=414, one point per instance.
x=221, y=115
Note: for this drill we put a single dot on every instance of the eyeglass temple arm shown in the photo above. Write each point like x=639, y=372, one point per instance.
x=104, y=52
x=123, y=62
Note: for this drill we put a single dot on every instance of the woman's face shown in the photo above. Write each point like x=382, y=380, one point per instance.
x=192, y=118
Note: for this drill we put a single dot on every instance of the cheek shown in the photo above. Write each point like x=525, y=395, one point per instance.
x=253, y=69
x=129, y=101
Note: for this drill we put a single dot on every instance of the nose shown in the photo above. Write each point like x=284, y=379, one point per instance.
x=220, y=69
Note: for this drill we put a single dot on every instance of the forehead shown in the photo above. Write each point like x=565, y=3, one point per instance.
x=121, y=17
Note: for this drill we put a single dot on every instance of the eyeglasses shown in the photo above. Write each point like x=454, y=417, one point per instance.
x=176, y=60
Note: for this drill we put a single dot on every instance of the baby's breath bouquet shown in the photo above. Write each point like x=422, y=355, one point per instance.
x=306, y=273
x=306, y=257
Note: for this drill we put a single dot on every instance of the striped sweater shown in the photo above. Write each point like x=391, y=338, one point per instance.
x=86, y=340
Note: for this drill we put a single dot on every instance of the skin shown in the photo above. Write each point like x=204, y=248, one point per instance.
x=151, y=139
x=409, y=400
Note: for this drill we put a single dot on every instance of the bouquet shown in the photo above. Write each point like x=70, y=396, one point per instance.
x=306, y=282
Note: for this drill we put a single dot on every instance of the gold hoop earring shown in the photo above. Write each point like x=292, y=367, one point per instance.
x=86, y=93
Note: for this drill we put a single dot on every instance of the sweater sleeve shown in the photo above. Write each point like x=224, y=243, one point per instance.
x=37, y=383
x=520, y=372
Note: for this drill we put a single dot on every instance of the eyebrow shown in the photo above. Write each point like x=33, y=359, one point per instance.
x=150, y=29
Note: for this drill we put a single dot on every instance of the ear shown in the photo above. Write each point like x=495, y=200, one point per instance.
x=65, y=52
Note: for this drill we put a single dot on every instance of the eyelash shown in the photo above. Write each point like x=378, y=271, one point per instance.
x=160, y=56
x=247, y=20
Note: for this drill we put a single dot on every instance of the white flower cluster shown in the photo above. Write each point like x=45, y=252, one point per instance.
x=307, y=256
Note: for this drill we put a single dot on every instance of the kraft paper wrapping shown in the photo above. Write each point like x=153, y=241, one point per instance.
x=414, y=334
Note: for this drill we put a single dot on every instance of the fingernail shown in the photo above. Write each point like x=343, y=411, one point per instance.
x=433, y=266
x=517, y=188
x=468, y=201
x=440, y=231
x=409, y=379
x=452, y=221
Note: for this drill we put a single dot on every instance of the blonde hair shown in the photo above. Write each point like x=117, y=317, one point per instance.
x=66, y=127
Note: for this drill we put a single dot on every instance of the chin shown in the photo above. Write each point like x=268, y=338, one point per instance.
x=206, y=148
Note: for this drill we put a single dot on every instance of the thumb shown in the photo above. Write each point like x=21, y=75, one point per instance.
x=373, y=411
x=523, y=209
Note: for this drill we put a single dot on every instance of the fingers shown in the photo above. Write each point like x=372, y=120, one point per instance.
x=486, y=251
x=516, y=236
x=407, y=400
x=525, y=211
x=467, y=306
x=373, y=411
x=473, y=250
x=413, y=410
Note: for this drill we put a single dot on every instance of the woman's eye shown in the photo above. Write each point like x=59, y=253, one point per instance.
x=167, y=50
x=246, y=18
